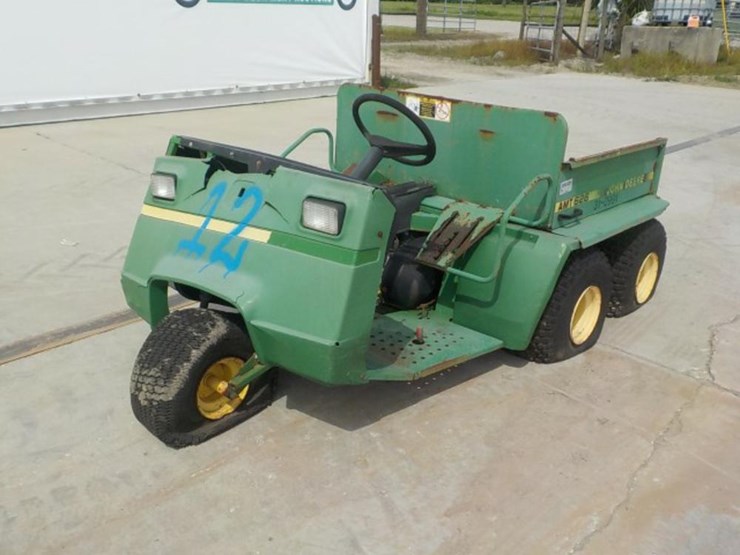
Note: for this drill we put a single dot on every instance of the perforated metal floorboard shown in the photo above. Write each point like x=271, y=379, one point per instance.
x=394, y=355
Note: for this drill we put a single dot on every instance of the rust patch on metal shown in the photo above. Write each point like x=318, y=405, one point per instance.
x=470, y=241
x=614, y=153
x=444, y=365
x=382, y=114
x=452, y=238
x=552, y=116
x=486, y=134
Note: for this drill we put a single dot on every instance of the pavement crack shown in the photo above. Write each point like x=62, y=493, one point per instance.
x=88, y=153
x=714, y=330
x=642, y=358
x=732, y=392
x=703, y=139
x=706, y=381
x=34, y=345
x=674, y=425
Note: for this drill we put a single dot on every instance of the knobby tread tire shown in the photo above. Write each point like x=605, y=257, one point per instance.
x=169, y=367
x=626, y=253
x=551, y=340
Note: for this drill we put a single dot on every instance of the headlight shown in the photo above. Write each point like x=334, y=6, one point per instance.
x=325, y=216
x=163, y=185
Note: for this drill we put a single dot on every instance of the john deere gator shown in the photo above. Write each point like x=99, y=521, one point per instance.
x=440, y=230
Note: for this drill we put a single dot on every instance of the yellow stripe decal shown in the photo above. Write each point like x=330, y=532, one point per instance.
x=193, y=220
x=597, y=194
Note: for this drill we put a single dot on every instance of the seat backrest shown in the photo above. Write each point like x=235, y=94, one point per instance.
x=486, y=154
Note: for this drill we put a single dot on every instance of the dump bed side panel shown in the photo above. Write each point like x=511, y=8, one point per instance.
x=594, y=184
x=592, y=231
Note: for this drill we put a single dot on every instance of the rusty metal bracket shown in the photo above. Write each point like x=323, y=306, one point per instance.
x=460, y=226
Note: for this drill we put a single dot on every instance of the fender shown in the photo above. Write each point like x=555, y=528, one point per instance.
x=510, y=310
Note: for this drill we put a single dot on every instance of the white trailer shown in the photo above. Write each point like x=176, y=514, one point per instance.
x=79, y=59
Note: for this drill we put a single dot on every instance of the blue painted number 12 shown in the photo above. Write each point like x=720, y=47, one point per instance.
x=219, y=253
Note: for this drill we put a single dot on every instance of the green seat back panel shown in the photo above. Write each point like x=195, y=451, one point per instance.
x=485, y=154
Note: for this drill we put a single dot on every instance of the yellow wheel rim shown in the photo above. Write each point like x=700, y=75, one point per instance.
x=210, y=397
x=585, y=315
x=646, y=278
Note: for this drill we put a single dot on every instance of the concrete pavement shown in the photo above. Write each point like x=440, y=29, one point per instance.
x=631, y=448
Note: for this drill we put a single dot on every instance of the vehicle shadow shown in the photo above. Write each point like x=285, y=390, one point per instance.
x=355, y=407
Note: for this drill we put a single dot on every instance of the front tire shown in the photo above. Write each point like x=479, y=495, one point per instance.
x=574, y=316
x=177, y=382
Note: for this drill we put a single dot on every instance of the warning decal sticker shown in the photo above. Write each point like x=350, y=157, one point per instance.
x=431, y=108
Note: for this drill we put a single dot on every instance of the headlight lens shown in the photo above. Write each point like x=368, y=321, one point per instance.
x=163, y=185
x=321, y=215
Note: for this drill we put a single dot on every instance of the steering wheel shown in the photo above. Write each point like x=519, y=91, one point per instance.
x=383, y=147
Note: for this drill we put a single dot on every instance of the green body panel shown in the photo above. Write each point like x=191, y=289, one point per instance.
x=485, y=154
x=309, y=299
x=511, y=306
x=283, y=193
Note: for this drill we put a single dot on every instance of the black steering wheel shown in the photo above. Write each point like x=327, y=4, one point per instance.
x=383, y=147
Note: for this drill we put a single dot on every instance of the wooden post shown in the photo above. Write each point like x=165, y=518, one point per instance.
x=375, y=52
x=602, y=29
x=583, y=29
x=421, y=18
x=525, y=18
x=557, y=32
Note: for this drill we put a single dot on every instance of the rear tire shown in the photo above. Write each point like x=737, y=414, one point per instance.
x=636, y=257
x=167, y=383
x=574, y=316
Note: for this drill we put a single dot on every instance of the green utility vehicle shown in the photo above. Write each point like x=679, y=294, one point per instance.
x=443, y=230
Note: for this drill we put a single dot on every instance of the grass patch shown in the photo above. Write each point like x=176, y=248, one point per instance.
x=408, y=34
x=670, y=66
x=393, y=82
x=484, y=52
x=510, y=12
